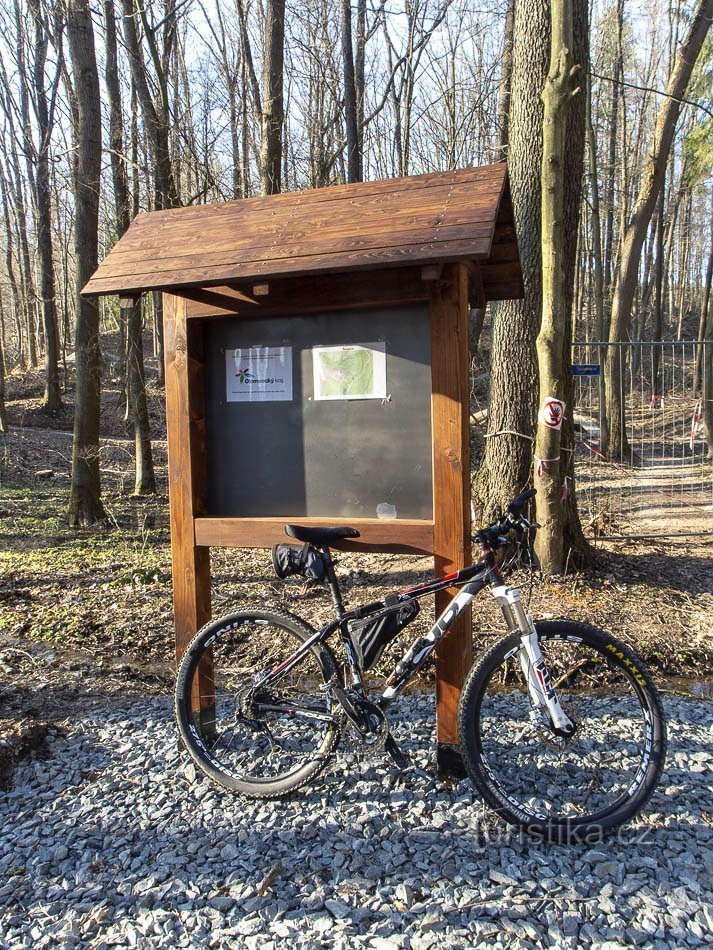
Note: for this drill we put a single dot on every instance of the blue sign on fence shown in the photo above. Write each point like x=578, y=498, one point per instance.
x=586, y=369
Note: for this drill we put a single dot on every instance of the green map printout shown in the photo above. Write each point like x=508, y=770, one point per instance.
x=350, y=372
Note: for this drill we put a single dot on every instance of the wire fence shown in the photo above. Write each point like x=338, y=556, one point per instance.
x=654, y=478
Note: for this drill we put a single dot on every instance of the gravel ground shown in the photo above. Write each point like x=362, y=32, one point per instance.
x=112, y=840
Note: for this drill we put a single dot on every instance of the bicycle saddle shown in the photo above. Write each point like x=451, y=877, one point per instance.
x=319, y=535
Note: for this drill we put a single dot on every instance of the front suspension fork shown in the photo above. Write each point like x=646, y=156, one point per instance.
x=542, y=693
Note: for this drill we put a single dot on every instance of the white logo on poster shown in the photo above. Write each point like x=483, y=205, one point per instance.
x=551, y=412
x=259, y=374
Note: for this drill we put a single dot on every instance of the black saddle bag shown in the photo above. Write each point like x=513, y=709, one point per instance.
x=371, y=635
x=287, y=559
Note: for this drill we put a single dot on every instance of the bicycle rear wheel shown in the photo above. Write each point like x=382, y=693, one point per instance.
x=564, y=789
x=260, y=741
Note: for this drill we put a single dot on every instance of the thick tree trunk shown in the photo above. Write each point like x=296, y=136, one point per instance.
x=145, y=482
x=626, y=277
x=576, y=548
x=85, y=505
x=506, y=466
x=556, y=96
x=273, y=102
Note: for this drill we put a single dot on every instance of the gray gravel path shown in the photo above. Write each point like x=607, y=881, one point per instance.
x=112, y=840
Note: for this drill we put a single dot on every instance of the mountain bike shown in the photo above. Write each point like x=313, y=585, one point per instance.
x=561, y=727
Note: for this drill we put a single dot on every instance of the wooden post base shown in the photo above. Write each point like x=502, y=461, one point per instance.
x=449, y=761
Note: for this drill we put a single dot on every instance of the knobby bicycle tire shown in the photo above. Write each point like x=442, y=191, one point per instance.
x=262, y=744
x=531, y=778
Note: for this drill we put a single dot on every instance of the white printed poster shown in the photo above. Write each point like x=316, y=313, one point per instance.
x=259, y=374
x=350, y=372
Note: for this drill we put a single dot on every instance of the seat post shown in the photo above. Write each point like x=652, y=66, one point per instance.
x=333, y=582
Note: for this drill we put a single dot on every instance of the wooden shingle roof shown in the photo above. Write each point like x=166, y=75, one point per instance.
x=462, y=215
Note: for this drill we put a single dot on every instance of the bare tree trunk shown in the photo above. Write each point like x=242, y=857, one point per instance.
x=506, y=465
x=359, y=63
x=351, y=123
x=85, y=505
x=505, y=83
x=626, y=277
x=703, y=319
x=657, y=328
x=43, y=200
x=3, y=412
x=556, y=96
x=611, y=155
x=145, y=482
x=273, y=102
x=600, y=329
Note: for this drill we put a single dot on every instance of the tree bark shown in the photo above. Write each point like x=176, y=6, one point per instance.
x=351, y=124
x=626, y=277
x=506, y=465
x=556, y=96
x=85, y=506
x=3, y=412
x=145, y=482
x=273, y=101
x=703, y=319
x=505, y=90
x=43, y=201
x=597, y=258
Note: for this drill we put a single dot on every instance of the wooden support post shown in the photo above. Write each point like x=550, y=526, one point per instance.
x=451, y=493
x=185, y=424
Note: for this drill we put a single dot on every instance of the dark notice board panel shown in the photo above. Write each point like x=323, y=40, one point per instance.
x=332, y=458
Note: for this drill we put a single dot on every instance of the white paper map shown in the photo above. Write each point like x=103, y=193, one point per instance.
x=259, y=374
x=350, y=372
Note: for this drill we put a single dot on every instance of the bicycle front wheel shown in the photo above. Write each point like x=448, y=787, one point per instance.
x=261, y=741
x=564, y=789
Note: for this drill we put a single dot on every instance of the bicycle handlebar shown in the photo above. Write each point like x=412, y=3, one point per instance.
x=517, y=504
x=513, y=519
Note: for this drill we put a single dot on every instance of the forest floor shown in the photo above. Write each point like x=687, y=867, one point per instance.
x=86, y=616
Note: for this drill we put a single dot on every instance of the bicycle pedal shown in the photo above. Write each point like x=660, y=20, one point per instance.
x=397, y=754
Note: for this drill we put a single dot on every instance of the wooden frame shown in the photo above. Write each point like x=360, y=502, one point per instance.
x=446, y=537
x=445, y=238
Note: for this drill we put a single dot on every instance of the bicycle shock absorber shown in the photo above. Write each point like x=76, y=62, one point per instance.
x=534, y=669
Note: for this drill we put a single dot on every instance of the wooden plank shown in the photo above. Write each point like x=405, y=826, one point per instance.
x=185, y=432
x=400, y=536
x=476, y=293
x=423, y=253
x=247, y=252
x=451, y=485
x=388, y=219
x=331, y=292
x=181, y=237
x=484, y=177
x=307, y=224
x=226, y=298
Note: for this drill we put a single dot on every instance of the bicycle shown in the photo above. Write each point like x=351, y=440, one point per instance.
x=561, y=728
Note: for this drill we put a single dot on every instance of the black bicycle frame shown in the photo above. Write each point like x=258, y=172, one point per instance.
x=471, y=580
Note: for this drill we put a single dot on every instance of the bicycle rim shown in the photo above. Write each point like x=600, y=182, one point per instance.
x=567, y=788
x=261, y=741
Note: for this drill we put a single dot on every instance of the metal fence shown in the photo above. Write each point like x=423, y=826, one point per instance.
x=657, y=481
